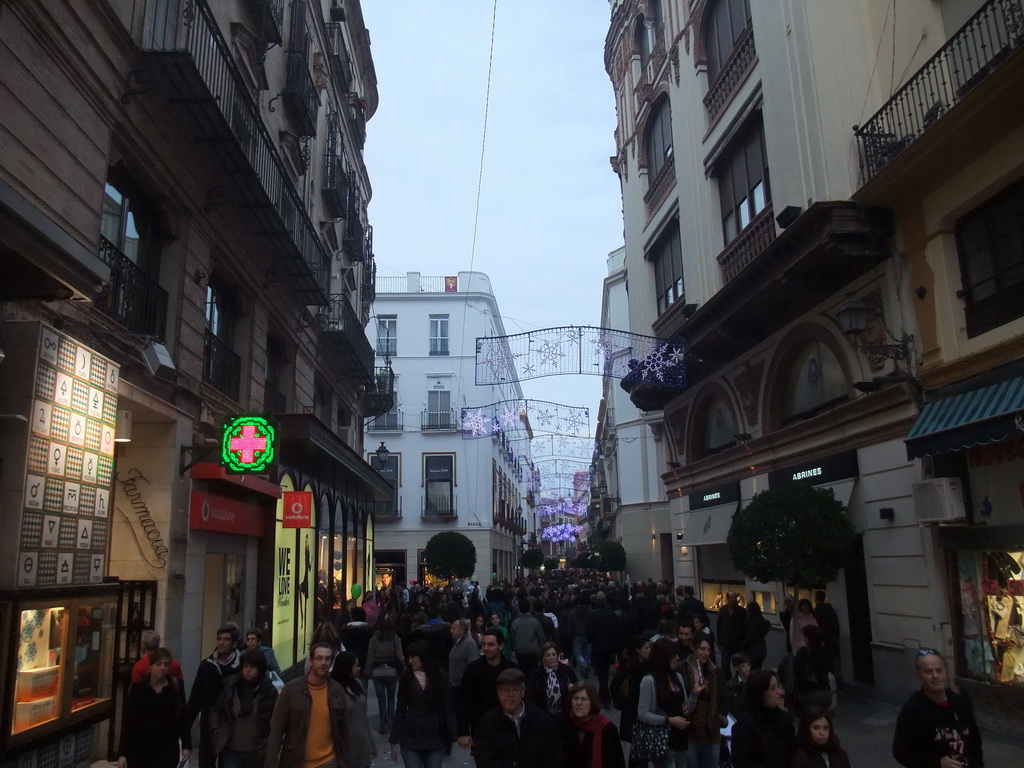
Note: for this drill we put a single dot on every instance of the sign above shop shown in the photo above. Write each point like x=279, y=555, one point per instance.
x=297, y=509
x=247, y=444
x=714, y=497
x=213, y=512
x=828, y=469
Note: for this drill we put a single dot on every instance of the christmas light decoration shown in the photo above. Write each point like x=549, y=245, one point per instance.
x=520, y=415
x=561, y=532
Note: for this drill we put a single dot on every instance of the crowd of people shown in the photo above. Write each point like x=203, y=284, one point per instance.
x=505, y=673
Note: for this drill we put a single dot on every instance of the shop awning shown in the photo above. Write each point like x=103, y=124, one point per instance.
x=708, y=526
x=982, y=415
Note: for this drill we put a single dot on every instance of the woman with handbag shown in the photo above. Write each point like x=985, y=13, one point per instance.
x=590, y=739
x=663, y=708
x=707, y=685
x=424, y=724
x=360, y=746
x=384, y=662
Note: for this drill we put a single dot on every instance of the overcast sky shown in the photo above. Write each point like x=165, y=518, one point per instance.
x=550, y=209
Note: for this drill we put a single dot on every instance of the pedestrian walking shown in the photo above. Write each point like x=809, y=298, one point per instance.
x=306, y=727
x=763, y=736
x=936, y=727
x=516, y=733
x=755, y=634
x=803, y=617
x=464, y=651
x=705, y=682
x=817, y=744
x=590, y=739
x=828, y=621
x=240, y=718
x=732, y=629
x=625, y=688
x=527, y=638
x=812, y=667
x=358, y=745
x=150, y=642
x=604, y=631
x=155, y=729
x=547, y=684
x=206, y=688
x=664, y=702
x=506, y=648
x=424, y=724
x=254, y=639
x=384, y=664
x=478, y=693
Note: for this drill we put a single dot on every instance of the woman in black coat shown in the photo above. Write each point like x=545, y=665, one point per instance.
x=155, y=730
x=590, y=739
x=755, y=630
x=548, y=683
x=424, y=724
x=763, y=736
x=625, y=686
x=817, y=743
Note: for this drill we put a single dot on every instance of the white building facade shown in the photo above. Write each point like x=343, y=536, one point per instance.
x=427, y=327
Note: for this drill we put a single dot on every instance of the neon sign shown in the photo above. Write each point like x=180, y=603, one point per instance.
x=247, y=444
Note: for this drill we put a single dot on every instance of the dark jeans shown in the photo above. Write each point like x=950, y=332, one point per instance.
x=231, y=759
x=602, y=661
x=207, y=758
x=414, y=758
x=385, y=688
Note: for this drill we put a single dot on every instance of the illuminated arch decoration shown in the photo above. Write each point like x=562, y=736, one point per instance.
x=580, y=349
x=561, y=532
x=247, y=444
x=540, y=447
x=520, y=415
x=576, y=509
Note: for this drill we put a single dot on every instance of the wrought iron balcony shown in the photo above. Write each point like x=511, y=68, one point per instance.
x=368, y=290
x=188, y=59
x=357, y=113
x=340, y=61
x=439, y=421
x=439, y=508
x=132, y=297
x=439, y=347
x=222, y=367
x=392, y=421
x=380, y=395
x=336, y=181
x=269, y=16
x=346, y=339
x=974, y=52
x=300, y=95
x=387, y=511
x=387, y=347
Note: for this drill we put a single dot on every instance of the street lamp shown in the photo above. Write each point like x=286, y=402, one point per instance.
x=382, y=454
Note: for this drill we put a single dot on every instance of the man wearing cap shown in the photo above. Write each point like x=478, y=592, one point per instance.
x=478, y=693
x=516, y=733
x=936, y=727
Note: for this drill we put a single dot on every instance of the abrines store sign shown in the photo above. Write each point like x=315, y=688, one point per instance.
x=714, y=497
x=829, y=469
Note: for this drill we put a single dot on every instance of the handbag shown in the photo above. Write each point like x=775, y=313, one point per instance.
x=650, y=742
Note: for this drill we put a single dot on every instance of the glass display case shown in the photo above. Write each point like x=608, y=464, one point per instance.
x=61, y=658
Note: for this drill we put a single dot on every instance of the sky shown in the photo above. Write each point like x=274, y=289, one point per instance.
x=549, y=205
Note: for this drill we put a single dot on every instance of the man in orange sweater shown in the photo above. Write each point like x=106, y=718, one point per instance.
x=306, y=727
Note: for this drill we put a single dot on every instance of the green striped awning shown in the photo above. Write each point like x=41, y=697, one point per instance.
x=983, y=415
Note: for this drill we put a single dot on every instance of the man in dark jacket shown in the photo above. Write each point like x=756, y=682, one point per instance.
x=478, y=693
x=516, y=734
x=438, y=635
x=732, y=620
x=206, y=688
x=688, y=606
x=936, y=727
x=828, y=623
x=355, y=635
x=604, y=631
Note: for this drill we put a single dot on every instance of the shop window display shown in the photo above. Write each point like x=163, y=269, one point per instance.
x=714, y=593
x=992, y=612
x=94, y=649
x=38, y=683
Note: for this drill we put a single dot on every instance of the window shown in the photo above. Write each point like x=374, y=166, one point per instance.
x=719, y=429
x=439, y=410
x=222, y=367
x=667, y=258
x=439, y=481
x=729, y=19
x=126, y=222
x=990, y=242
x=743, y=185
x=642, y=41
x=387, y=335
x=274, y=398
x=439, y=335
x=658, y=139
x=816, y=381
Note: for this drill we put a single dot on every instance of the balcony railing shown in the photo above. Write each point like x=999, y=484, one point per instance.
x=192, y=63
x=343, y=330
x=439, y=508
x=733, y=72
x=421, y=284
x=222, y=368
x=392, y=421
x=380, y=395
x=387, y=347
x=387, y=511
x=300, y=96
x=748, y=244
x=439, y=348
x=335, y=183
x=967, y=58
x=132, y=297
x=340, y=61
x=270, y=15
x=438, y=421
x=368, y=291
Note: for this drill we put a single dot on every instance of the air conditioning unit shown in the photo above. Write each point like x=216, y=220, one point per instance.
x=939, y=500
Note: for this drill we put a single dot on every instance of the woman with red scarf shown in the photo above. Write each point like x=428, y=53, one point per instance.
x=590, y=739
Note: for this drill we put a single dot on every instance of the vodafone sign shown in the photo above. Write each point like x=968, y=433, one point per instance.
x=211, y=512
x=297, y=509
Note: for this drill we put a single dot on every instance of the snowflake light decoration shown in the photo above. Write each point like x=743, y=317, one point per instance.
x=518, y=415
x=475, y=422
x=561, y=532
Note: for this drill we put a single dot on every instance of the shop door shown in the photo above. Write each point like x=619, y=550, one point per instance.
x=223, y=592
x=859, y=615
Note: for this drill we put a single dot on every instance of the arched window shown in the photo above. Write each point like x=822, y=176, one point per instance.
x=658, y=138
x=816, y=379
x=728, y=20
x=719, y=428
x=642, y=41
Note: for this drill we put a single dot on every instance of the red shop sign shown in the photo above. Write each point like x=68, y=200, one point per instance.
x=297, y=509
x=212, y=512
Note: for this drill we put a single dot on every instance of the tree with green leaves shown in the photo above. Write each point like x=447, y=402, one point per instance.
x=795, y=533
x=551, y=563
x=611, y=555
x=532, y=558
x=450, y=555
